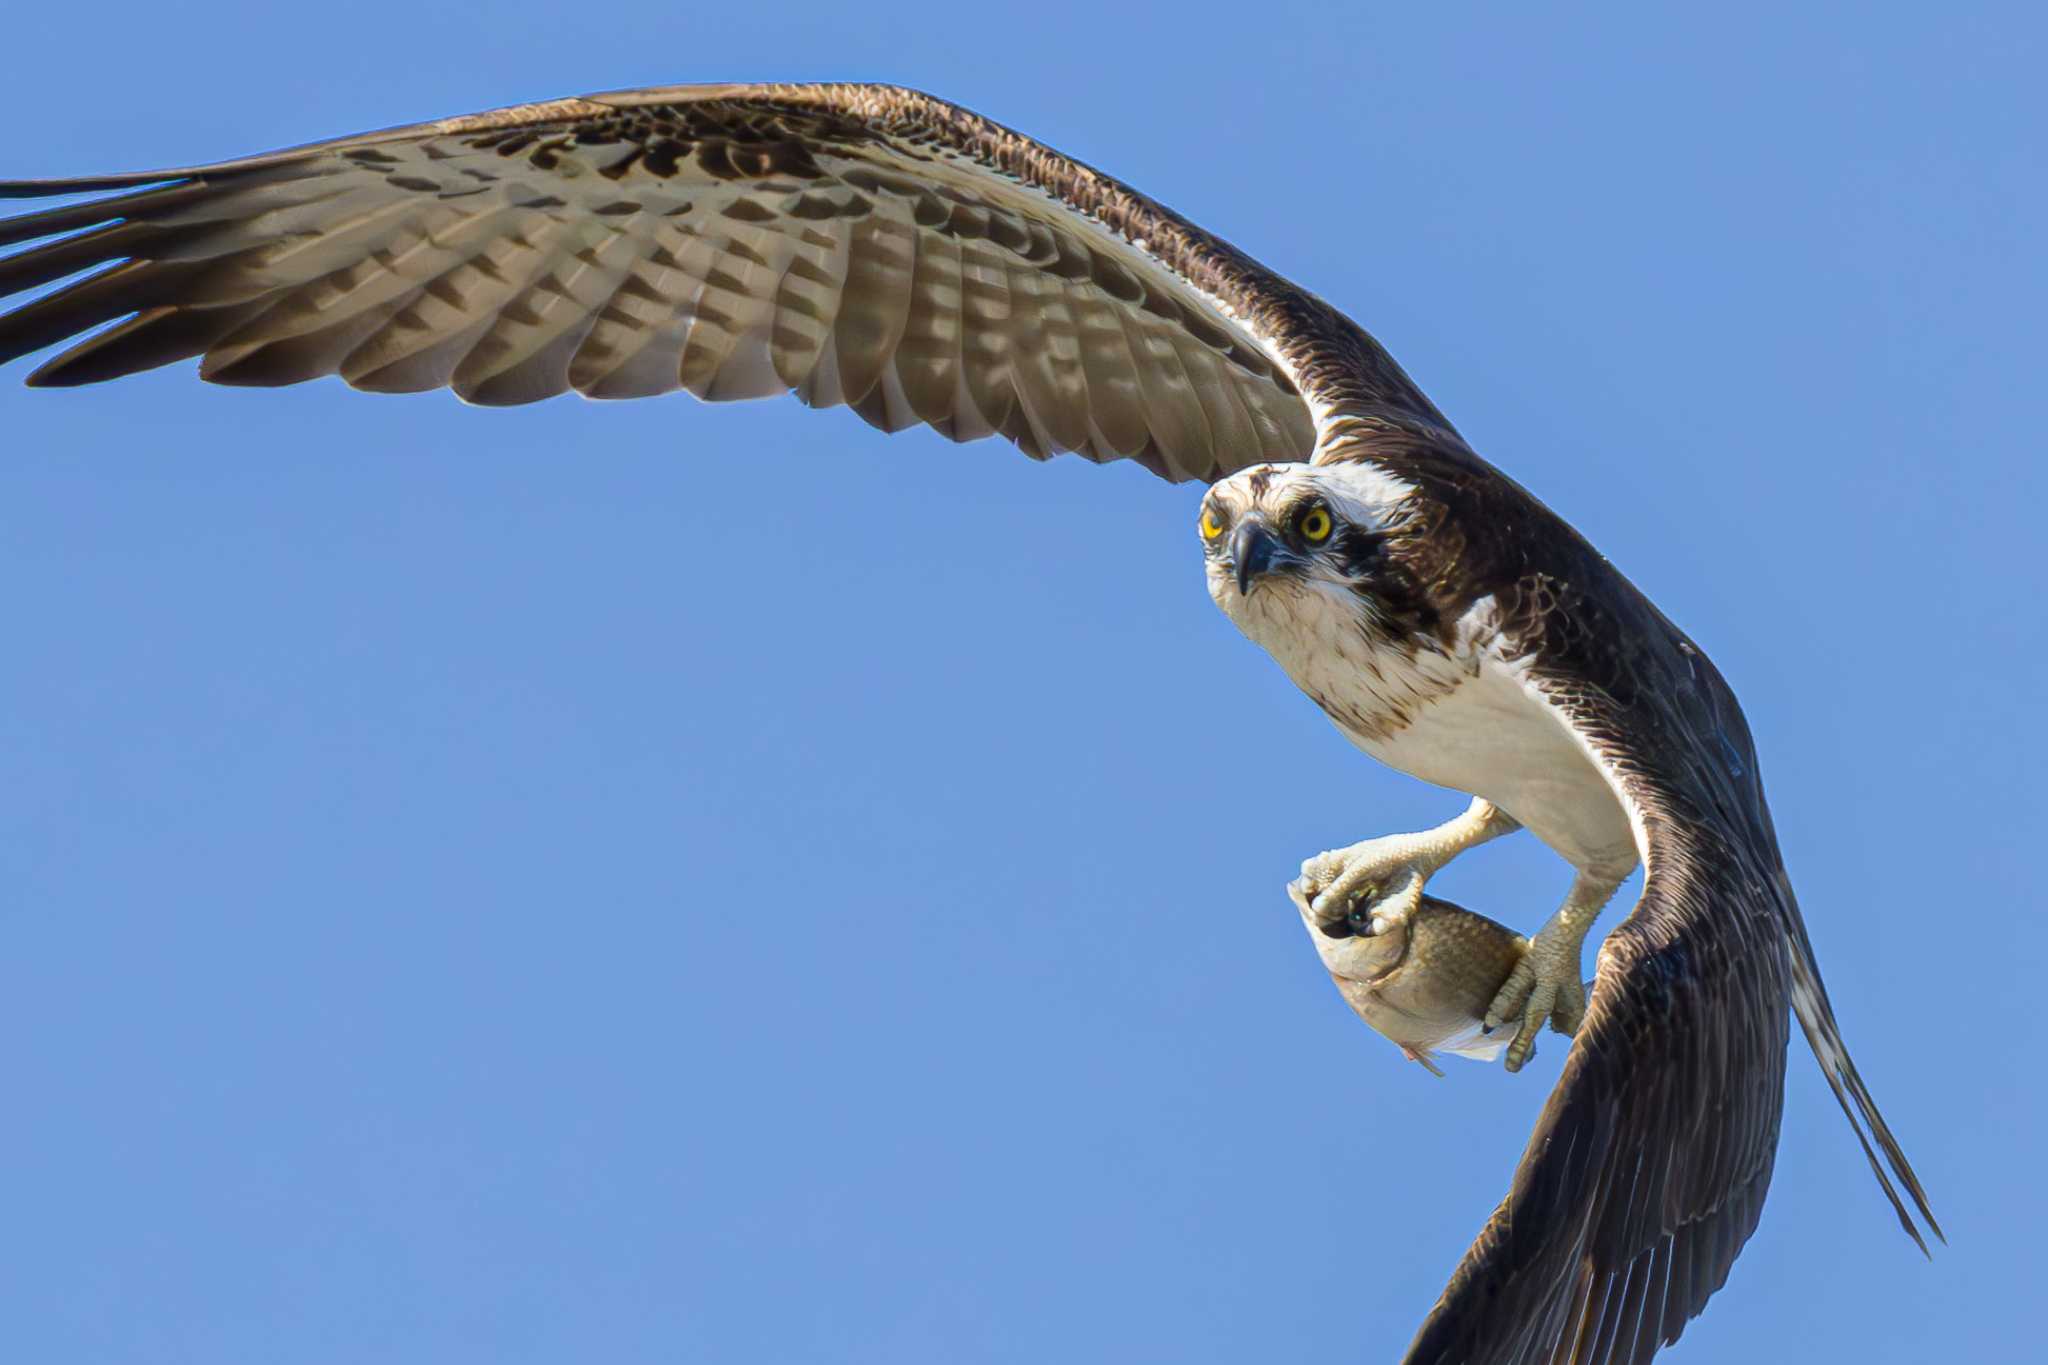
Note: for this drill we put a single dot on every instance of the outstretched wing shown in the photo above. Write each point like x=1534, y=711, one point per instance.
x=1647, y=1170
x=857, y=245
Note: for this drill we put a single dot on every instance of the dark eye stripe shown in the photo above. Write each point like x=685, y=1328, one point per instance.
x=1356, y=551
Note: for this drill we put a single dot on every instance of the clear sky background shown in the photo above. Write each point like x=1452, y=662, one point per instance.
x=508, y=886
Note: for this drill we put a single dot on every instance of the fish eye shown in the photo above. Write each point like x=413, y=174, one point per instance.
x=1315, y=524
x=1211, y=528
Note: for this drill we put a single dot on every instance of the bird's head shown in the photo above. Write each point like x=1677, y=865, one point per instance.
x=1279, y=539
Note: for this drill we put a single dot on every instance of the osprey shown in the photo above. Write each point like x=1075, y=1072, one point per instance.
x=874, y=247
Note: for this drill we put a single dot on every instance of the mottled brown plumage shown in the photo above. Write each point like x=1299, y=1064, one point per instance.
x=877, y=248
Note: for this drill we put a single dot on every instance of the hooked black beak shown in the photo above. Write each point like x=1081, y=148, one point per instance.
x=1252, y=550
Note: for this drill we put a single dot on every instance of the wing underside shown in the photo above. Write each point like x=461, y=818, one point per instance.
x=855, y=245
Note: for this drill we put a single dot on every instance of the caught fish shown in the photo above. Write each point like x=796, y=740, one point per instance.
x=1425, y=984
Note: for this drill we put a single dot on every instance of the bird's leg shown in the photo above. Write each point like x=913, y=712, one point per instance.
x=1378, y=883
x=1545, y=983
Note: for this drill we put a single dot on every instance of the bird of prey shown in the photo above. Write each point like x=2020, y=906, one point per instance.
x=877, y=248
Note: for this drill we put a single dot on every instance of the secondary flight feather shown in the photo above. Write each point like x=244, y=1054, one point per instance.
x=872, y=247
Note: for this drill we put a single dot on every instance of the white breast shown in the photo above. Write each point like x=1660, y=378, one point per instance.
x=1467, y=720
x=1492, y=737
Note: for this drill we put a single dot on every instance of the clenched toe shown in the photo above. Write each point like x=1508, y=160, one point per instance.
x=1533, y=996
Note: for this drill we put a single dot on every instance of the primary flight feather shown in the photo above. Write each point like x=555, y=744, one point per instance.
x=872, y=247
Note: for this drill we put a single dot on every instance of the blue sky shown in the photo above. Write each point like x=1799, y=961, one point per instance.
x=505, y=886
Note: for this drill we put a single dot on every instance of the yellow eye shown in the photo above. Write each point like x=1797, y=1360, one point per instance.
x=1211, y=528
x=1316, y=525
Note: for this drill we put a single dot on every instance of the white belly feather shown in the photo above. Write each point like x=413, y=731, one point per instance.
x=1466, y=721
x=1489, y=736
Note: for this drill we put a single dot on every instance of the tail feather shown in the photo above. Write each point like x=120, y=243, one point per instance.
x=1817, y=1018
